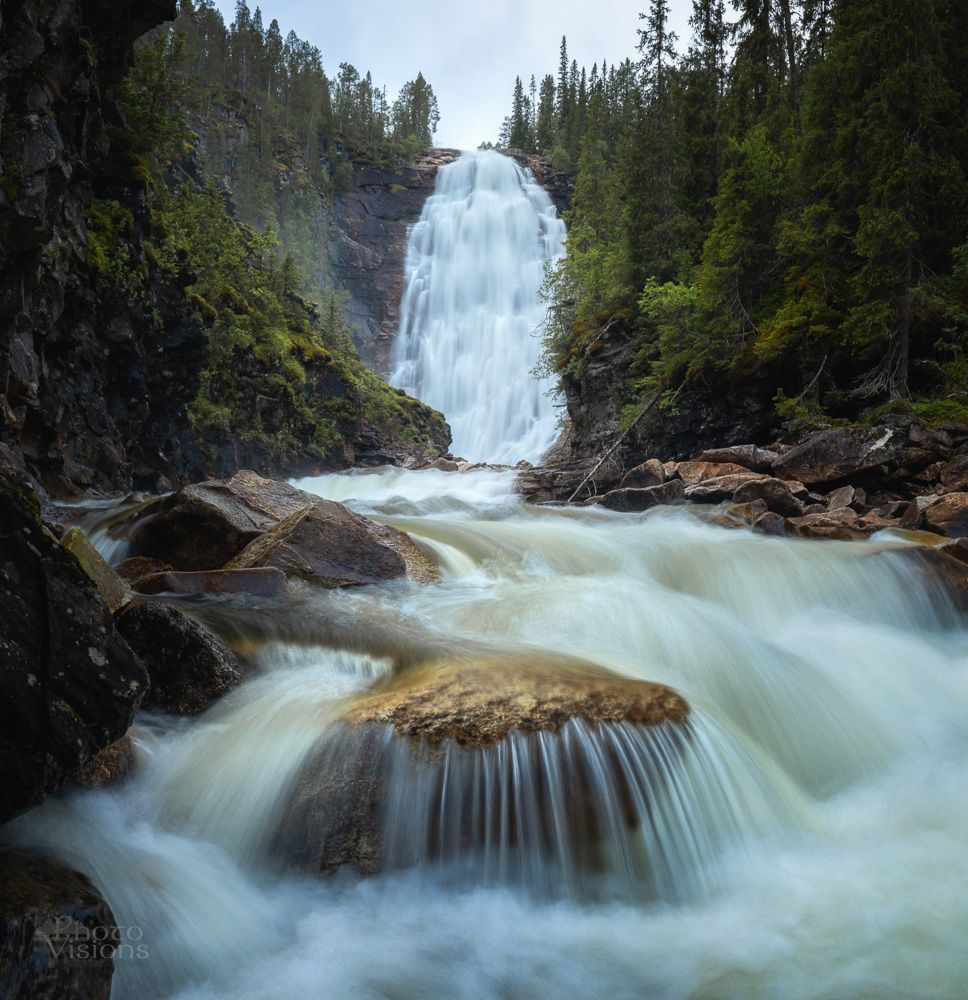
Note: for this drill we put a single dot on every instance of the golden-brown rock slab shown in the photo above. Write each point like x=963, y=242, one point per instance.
x=477, y=702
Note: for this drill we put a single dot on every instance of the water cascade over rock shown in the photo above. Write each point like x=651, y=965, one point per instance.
x=471, y=315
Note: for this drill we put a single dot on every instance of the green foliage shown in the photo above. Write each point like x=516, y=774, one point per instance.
x=278, y=370
x=794, y=218
x=110, y=250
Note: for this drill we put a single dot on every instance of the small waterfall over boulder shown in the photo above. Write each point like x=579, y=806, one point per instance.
x=471, y=315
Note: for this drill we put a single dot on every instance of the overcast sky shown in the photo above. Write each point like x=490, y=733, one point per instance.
x=469, y=52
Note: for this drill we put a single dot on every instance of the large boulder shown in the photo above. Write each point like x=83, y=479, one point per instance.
x=366, y=797
x=262, y=581
x=694, y=473
x=639, y=499
x=57, y=934
x=777, y=495
x=205, y=525
x=842, y=453
x=650, y=473
x=69, y=683
x=113, y=590
x=475, y=703
x=329, y=545
x=948, y=515
x=188, y=666
x=248, y=522
x=749, y=456
x=716, y=489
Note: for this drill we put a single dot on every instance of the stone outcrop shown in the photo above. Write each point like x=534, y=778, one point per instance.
x=95, y=384
x=69, y=683
x=248, y=523
x=57, y=934
x=475, y=703
x=188, y=666
x=369, y=247
x=454, y=713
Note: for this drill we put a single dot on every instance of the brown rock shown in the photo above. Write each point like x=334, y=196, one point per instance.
x=693, y=473
x=948, y=515
x=113, y=590
x=834, y=455
x=631, y=500
x=842, y=524
x=57, y=934
x=847, y=496
x=747, y=513
x=109, y=767
x=650, y=473
x=721, y=488
x=749, y=456
x=263, y=582
x=772, y=523
x=204, y=526
x=958, y=549
x=478, y=702
x=188, y=666
x=138, y=567
x=453, y=717
x=954, y=475
x=777, y=495
x=328, y=545
x=912, y=519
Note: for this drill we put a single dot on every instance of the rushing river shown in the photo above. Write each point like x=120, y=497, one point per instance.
x=802, y=836
x=829, y=789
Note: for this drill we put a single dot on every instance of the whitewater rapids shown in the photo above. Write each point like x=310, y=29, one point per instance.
x=829, y=686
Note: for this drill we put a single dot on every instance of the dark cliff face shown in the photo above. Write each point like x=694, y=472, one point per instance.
x=94, y=384
x=369, y=249
x=65, y=370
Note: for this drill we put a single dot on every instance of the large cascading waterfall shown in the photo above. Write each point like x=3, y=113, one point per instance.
x=472, y=316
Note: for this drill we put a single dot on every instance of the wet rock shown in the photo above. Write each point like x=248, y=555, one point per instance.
x=953, y=476
x=912, y=519
x=720, y=488
x=112, y=588
x=650, y=473
x=137, y=568
x=478, y=702
x=749, y=456
x=452, y=712
x=642, y=499
x=263, y=582
x=110, y=766
x=57, y=934
x=944, y=572
x=847, y=496
x=777, y=495
x=747, y=513
x=203, y=526
x=694, y=473
x=69, y=684
x=188, y=666
x=328, y=545
x=773, y=524
x=948, y=515
x=843, y=452
x=958, y=549
x=842, y=524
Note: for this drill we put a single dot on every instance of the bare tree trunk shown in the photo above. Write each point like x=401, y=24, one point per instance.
x=904, y=333
x=791, y=61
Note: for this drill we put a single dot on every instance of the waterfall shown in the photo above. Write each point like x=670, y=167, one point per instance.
x=471, y=315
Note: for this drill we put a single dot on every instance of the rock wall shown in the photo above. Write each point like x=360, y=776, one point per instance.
x=368, y=250
x=95, y=384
